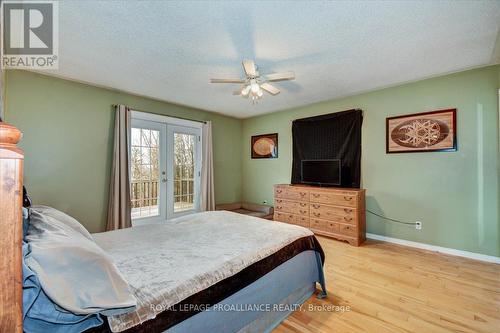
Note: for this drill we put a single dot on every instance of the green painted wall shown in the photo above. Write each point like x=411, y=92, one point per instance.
x=454, y=194
x=67, y=140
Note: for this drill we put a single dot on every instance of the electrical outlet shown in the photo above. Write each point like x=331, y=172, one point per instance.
x=418, y=225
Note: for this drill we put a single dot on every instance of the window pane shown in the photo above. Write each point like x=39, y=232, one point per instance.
x=177, y=187
x=154, y=138
x=145, y=156
x=146, y=138
x=154, y=158
x=136, y=137
x=145, y=172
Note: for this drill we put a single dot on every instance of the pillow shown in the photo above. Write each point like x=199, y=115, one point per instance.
x=57, y=218
x=73, y=270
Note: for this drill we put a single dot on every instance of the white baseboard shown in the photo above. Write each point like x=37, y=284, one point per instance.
x=460, y=253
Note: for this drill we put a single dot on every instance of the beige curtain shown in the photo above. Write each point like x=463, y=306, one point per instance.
x=119, y=208
x=207, y=169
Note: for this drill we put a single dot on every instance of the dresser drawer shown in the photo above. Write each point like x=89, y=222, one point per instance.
x=292, y=193
x=302, y=221
x=348, y=230
x=336, y=214
x=318, y=225
x=284, y=217
x=324, y=226
x=349, y=199
x=294, y=207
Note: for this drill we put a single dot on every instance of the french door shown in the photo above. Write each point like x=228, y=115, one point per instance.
x=165, y=170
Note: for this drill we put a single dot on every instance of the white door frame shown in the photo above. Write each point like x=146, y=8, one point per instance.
x=171, y=129
x=179, y=126
x=166, y=119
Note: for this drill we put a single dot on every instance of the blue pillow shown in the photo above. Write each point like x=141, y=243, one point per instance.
x=41, y=315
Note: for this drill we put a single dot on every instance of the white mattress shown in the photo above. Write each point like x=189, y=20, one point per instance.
x=166, y=263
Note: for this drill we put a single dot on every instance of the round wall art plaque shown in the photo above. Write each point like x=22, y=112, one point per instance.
x=265, y=146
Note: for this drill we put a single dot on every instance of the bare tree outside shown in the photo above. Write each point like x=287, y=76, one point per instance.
x=144, y=172
x=183, y=171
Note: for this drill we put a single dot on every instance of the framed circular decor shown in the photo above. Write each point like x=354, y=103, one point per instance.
x=264, y=146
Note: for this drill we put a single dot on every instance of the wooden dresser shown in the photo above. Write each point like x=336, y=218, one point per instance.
x=333, y=212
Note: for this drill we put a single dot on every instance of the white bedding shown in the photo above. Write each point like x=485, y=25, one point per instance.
x=166, y=263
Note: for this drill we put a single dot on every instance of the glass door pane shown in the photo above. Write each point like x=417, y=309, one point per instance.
x=147, y=172
x=184, y=171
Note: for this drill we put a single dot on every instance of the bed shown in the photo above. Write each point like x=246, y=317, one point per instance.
x=211, y=271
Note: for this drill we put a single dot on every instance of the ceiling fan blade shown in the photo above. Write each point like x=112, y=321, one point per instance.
x=281, y=76
x=227, y=81
x=249, y=67
x=270, y=88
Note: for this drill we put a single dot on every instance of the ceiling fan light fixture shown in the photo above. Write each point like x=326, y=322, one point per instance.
x=255, y=87
x=254, y=84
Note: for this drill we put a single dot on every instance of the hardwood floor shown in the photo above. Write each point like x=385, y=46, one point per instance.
x=392, y=288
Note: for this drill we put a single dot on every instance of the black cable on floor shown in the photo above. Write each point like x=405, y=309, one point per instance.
x=388, y=218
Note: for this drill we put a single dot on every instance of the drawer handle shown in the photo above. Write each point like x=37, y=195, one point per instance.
x=303, y=211
x=279, y=191
x=302, y=194
x=290, y=216
x=317, y=214
x=303, y=204
x=279, y=207
x=316, y=195
x=347, y=198
x=347, y=228
x=348, y=220
x=279, y=201
x=347, y=210
x=316, y=206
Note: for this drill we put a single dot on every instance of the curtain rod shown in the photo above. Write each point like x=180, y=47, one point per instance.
x=166, y=115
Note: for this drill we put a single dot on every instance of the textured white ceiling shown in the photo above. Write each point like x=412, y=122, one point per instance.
x=170, y=50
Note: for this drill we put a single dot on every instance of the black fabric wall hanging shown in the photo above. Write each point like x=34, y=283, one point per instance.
x=331, y=136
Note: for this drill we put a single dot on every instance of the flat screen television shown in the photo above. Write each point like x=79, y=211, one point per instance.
x=321, y=172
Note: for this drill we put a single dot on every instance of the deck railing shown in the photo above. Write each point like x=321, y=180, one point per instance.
x=144, y=193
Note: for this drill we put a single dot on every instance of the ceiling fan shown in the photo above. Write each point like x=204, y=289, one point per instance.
x=254, y=84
